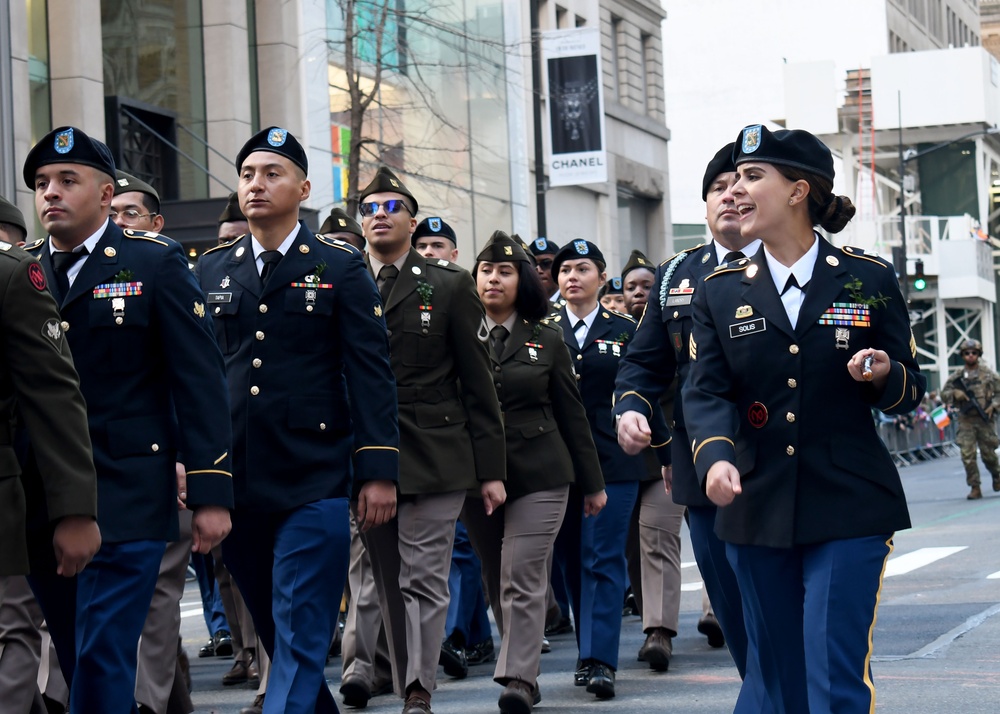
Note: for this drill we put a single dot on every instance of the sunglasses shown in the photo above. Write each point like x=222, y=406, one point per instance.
x=969, y=352
x=393, y=205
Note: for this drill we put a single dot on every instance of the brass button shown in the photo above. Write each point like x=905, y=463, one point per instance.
x=496, y=369
x=259, y=335
x=262, y=308
x=497, y=385
x=119, y=320
x=309, y=308
x=255, y=391
x=423, y=330
x=789, y=417
x=389, y=333
x=155, y=448
x=447, y=418
x=541, y=428
x=579, y=357
x=794, y=349
x=792, y=383
x=676, y=314
x=322, y=426
x=257, y=362
x=790, y=450
x=64, y=325
x=218, y=310
x=578, y=378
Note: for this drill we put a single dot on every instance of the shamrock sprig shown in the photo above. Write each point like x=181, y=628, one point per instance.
x=854, y=288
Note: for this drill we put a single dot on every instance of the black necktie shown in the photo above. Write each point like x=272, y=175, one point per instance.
x=271, y=259
x=732, y=255
x=387, y=277
x=498, y=340
x=62, y=261
x=793, y=283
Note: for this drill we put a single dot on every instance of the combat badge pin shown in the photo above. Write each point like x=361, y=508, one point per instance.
x=842, y=337
x=118, y=309
x=532, y=354
x=225, y=283
x=744, y=311
x=602, y=347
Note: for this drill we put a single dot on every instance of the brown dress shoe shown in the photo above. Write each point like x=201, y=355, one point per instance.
x=256, y=708
x=518, y=697
x=253, y=675
x=417, y=705
x=237, y=675
x=657, y=650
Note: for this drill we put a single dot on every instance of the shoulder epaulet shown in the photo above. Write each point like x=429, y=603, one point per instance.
x=862, y=254
x=34, y=246
x=9, y=250
x=554, y=317
x=735, y=267
x=684, y=252
x=622, y=314
x=222, y=246
x=548, y=324
x=446, y=264
x=145, y=235
x=336, y=243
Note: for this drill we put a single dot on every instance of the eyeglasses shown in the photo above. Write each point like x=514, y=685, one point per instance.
x=965, y=353
x=545, y=263
x=130, y=218
x=393, y=205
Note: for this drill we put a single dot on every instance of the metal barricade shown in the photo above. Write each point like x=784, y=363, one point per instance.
x=909, y=443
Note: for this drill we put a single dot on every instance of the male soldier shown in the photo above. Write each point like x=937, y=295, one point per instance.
x=544, y=251
x=658, y=352
x=340, y=226
x=12, y=228
x=433, y=238
x=300, y=324
x=978, y=393
x=232, y=222
x=451, y=434
x=153, y=380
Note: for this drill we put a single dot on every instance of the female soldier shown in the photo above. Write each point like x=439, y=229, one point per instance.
x=548, y=442
x=790, y=351
x=594, y=550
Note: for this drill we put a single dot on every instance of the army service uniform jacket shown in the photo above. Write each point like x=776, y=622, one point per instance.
x=548, y=436
x=153, y=380
x=780, y=404
x=450, y=431
x=309, y=380
x=39, y=382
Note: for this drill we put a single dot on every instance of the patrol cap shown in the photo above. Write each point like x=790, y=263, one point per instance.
x=638, y=260
x=68, y=145
x=721, y=163
x=277, y=141
x=575, y=250
x=434, y=227
x=124, y=183
x=612, y=287
x=543, y=246
x=386, y=181
x=786, y=147
x=232, y=213
x=501, y=247
x=339, y=222
x=9, y=213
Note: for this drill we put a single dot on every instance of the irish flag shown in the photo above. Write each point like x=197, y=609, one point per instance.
x=940, y=417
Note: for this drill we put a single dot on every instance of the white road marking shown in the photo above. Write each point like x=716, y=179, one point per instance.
x=909, y=562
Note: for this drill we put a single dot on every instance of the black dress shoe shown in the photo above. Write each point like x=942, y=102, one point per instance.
x=208, y=649
x=355, y=691
x=223, y=643
x=602, y=681
x=480, y=653
x=561, y=626
x=582, y=674
x=709, y=626
x=453, y=659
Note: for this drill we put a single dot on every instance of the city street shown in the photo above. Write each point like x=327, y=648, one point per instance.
x=935, y=641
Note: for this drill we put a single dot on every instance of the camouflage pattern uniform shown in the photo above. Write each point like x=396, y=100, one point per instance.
x=984, y=384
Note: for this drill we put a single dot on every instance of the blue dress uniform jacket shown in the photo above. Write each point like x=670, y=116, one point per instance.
x=308, y=396
x=153, y=379
x=659, y=351
x=780, y=404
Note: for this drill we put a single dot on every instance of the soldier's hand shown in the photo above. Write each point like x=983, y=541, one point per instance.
x=182, y=486
x=959, y=396
x=376, y=504
x=593, y=503
x=990, y=411
x=881, y=364
x=76, y=540
x=722, y=483
x=668, y=477
x=494, y=495
x=209, y=525
x=633, y=432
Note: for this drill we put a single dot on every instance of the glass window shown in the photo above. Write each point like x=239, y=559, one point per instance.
x=38, y=69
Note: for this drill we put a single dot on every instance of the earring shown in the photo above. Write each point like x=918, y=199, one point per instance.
x=790, y=202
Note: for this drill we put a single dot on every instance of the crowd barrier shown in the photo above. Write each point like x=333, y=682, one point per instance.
x=919, y=442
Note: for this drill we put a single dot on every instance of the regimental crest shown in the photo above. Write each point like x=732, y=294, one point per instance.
x=64, y=141
x=277, y=137
x=508, y=250
x=541, y=244
x=394, y=182
x=434, y=224
x=581, y=247
x=342, y=222
x=616, y=283
x=751, y=139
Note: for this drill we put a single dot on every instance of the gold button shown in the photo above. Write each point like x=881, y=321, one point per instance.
x=64, y=325
x=792, y=383
x=218, y=310
x=447, y=418
x=794, y=349
x=119, y=320
x=790, y=450
x=496, y=369
x=423, y=330
x=262, y=308
x=255, y=391
x=676, y=314
x=322, y=426
x=789, y=417
x=577, y=378
x=579, y=357
x=259, y=335
x=155, y=448
x=257, y=362
x=497, y=385
x=541, y=428
x=309, y=308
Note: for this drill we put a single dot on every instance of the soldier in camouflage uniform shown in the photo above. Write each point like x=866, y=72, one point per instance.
x=984, y=385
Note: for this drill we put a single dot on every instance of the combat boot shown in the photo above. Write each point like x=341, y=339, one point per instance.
x=996, y=482
x=975, y=493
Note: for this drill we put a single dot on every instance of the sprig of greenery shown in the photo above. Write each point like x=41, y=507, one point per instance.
x=854, y=288
x=426, y=292
x=123, y=276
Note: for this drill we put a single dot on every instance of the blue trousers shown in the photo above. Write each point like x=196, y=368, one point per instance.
x=96, y=619
x=467, y=616
x=810, y=611
x=211, y=600
x=603, y=574
x=291, y=568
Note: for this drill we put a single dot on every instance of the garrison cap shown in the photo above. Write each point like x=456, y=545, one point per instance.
x=386, y=181
x=501, y=247
x=124, y=183
x=721, y=163
x=524, y=246
x=68, y=145
x=786, y=147
x=232, y=213
x=638, y=260
x=339, y=222
x=543, y=246
x=574, y=251
x=9, y=213
x=277, y=141
x=434, y=226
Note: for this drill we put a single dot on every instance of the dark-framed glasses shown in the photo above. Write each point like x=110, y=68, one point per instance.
x=130, y=217
x=393, y=205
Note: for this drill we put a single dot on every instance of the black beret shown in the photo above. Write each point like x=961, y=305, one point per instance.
x=232, y=212
x=124, y=183
x=9, y=213
x=612, y=287
x=277, y=141
x=339, y=222
x=385, y=181
x=721, y=163
x=637, y=260
x=576, y=250
x=68, y=145
x=543, y=246
x=501, y=247
x=433, y=227
x=787, y=147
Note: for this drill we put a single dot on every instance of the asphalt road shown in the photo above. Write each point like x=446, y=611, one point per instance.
x=936, y=640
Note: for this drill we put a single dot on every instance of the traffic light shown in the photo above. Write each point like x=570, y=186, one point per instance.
x=919, y=280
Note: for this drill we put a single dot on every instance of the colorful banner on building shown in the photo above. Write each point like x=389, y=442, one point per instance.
x=340, y=142
x=577, y=148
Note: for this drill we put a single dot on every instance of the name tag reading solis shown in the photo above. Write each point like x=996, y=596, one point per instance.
x=751, y=327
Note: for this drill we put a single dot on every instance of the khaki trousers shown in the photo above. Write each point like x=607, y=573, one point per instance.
x=657, y=552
